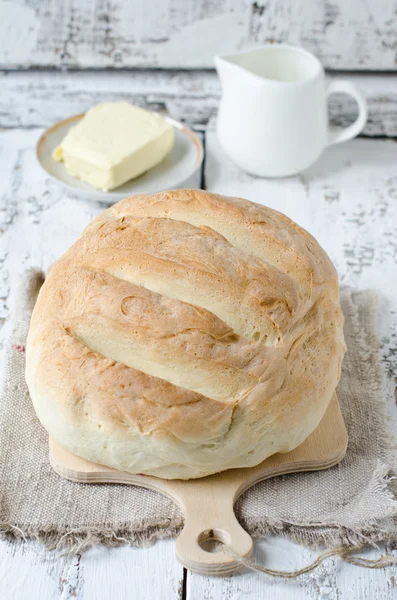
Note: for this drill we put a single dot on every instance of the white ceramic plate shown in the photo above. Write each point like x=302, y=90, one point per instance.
x=184, y=159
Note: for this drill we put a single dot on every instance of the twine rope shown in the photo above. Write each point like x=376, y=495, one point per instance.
x=344, y=553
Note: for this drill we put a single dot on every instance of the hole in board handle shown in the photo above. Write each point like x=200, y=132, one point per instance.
x=212, y=540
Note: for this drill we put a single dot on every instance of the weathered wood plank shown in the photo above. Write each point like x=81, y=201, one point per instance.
x=187, y=33
x=29, y=572
x=39, y=99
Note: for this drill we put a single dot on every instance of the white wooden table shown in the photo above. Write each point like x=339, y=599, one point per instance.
x=348, y=200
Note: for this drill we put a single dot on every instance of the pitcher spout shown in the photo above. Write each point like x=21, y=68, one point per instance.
x=225, y=68
x=234, y=66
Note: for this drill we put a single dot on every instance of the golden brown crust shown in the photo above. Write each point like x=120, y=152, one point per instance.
x=185, y=333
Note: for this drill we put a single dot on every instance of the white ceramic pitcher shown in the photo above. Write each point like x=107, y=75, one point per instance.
x=273, y=117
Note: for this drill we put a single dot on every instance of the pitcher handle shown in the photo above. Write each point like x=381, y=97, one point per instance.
x=342, y=135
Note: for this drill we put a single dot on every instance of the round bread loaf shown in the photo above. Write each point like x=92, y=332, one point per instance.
x=185, y=333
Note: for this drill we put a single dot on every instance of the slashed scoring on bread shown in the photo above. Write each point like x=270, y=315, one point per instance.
x=185, y=333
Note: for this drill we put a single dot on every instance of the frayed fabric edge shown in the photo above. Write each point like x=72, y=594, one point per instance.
x=79, y=540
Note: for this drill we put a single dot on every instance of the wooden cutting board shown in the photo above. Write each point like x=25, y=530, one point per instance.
x=207, y=503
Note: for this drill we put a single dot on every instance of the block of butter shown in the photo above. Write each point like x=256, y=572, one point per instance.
x=113, y=143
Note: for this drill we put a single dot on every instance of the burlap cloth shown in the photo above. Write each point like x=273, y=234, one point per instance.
x=352, y=503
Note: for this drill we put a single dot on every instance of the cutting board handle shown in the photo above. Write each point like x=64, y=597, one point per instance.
x=219, y=524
